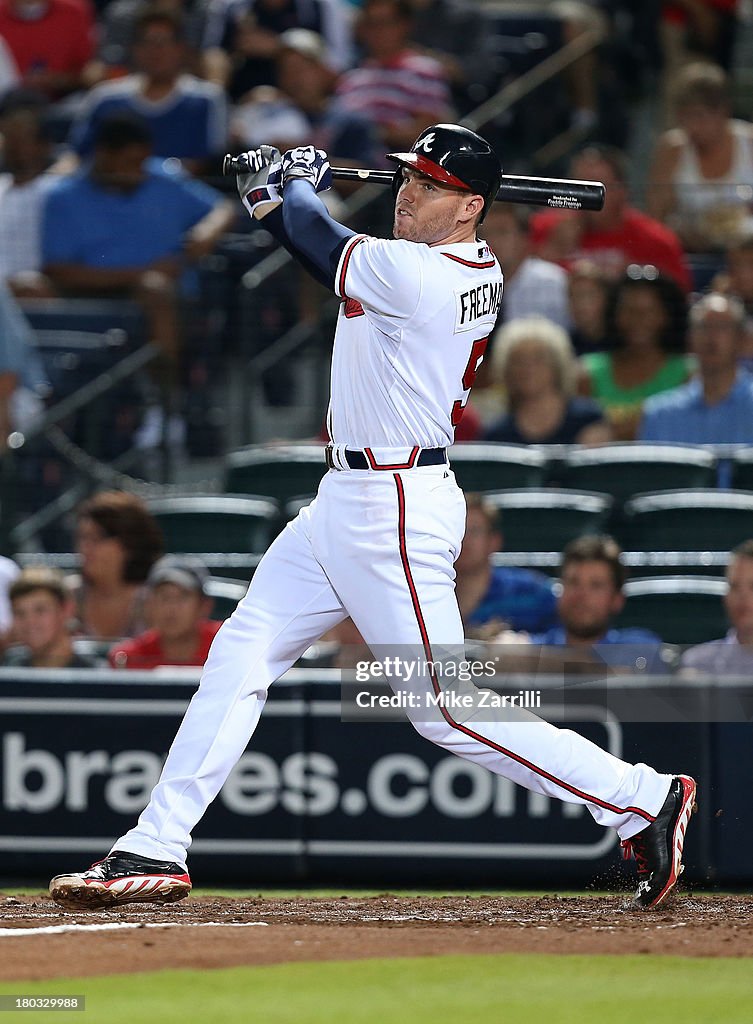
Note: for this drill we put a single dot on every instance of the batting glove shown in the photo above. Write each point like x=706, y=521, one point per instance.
x=260, y=187
x=309, y=164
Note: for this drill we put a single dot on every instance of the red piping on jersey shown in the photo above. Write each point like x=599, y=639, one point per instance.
x=468, y=263
x=402, y=465
x=346, y=260
x=437, y=689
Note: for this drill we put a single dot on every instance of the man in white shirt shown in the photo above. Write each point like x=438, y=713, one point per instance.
x=533, y=287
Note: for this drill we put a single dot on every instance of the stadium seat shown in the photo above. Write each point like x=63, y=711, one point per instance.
x=681, y=609
x=693, y=520
x=79, y=340
x=491, y=467
x=225, y=594
x=227, y=523
x=281, y=472
x=626, y=469
x=638, y=563
x=742, y=469
x=546, y=519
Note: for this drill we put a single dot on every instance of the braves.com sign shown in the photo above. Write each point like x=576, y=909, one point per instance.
x=312, y=795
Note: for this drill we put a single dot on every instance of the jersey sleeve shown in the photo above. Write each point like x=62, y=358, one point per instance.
x=382, y=274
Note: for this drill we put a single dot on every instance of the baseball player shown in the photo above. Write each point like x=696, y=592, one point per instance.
x=379, y=541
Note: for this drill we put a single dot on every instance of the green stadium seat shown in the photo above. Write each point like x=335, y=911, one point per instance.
x=638, y=563
x=623, y=470
x=696, y=520
x=742, y=469
x=681, y=609
x=225, y=595
x=547, y=519
x=491, y=467
x=282, y=472
x=200, y=523
x=294, y=506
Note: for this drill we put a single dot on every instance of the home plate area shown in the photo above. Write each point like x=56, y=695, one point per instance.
x=39, y=940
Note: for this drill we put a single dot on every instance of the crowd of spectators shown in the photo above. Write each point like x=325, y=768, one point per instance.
x=110, y=114
x=631, y=323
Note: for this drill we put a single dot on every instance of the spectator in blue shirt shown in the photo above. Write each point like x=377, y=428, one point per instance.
x=119, y=228
x=493, y=598
x=716, y=406
x=592, y=577
x=187, y=116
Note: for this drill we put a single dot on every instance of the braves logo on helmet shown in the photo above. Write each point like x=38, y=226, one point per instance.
x=424, y=143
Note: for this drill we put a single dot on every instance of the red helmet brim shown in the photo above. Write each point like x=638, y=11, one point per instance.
x=426, y=166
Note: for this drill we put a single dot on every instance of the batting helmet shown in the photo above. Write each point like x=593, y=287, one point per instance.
x=454, y=156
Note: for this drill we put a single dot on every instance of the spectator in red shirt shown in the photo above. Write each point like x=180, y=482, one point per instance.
x=178, y=607
x=51, y=41
x=617, y=236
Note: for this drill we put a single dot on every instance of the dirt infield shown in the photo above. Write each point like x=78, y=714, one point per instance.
x=207, y=932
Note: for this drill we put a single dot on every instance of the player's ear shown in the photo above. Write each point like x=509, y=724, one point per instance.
x=474, y=205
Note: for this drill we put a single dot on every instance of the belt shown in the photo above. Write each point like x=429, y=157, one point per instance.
x=365, y=459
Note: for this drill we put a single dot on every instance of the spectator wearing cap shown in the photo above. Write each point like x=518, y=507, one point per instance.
x=178, y=608
x=42, y=610
x=242, y=38
x=303, y=111
x=187, y=117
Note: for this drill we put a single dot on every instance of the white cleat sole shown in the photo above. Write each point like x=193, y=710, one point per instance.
x=73, y=893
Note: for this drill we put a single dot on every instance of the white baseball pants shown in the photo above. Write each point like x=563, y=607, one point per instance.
x=378, y=546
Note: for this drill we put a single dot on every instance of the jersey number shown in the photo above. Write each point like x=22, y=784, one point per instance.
x=476, y=359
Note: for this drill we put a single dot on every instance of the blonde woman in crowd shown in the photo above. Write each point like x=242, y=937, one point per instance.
x=534, y=362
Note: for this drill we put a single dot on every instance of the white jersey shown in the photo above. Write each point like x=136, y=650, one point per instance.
x=410, y=337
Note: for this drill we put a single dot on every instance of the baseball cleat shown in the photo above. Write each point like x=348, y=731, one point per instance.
x=658, y=848
x=118, y=879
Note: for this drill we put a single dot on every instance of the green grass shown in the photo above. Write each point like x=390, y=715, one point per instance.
x=442, y=990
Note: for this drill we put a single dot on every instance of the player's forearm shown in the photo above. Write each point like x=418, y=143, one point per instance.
x=312, y=235
x=302, y=225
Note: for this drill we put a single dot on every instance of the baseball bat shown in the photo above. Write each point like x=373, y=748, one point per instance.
x=560, y=193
